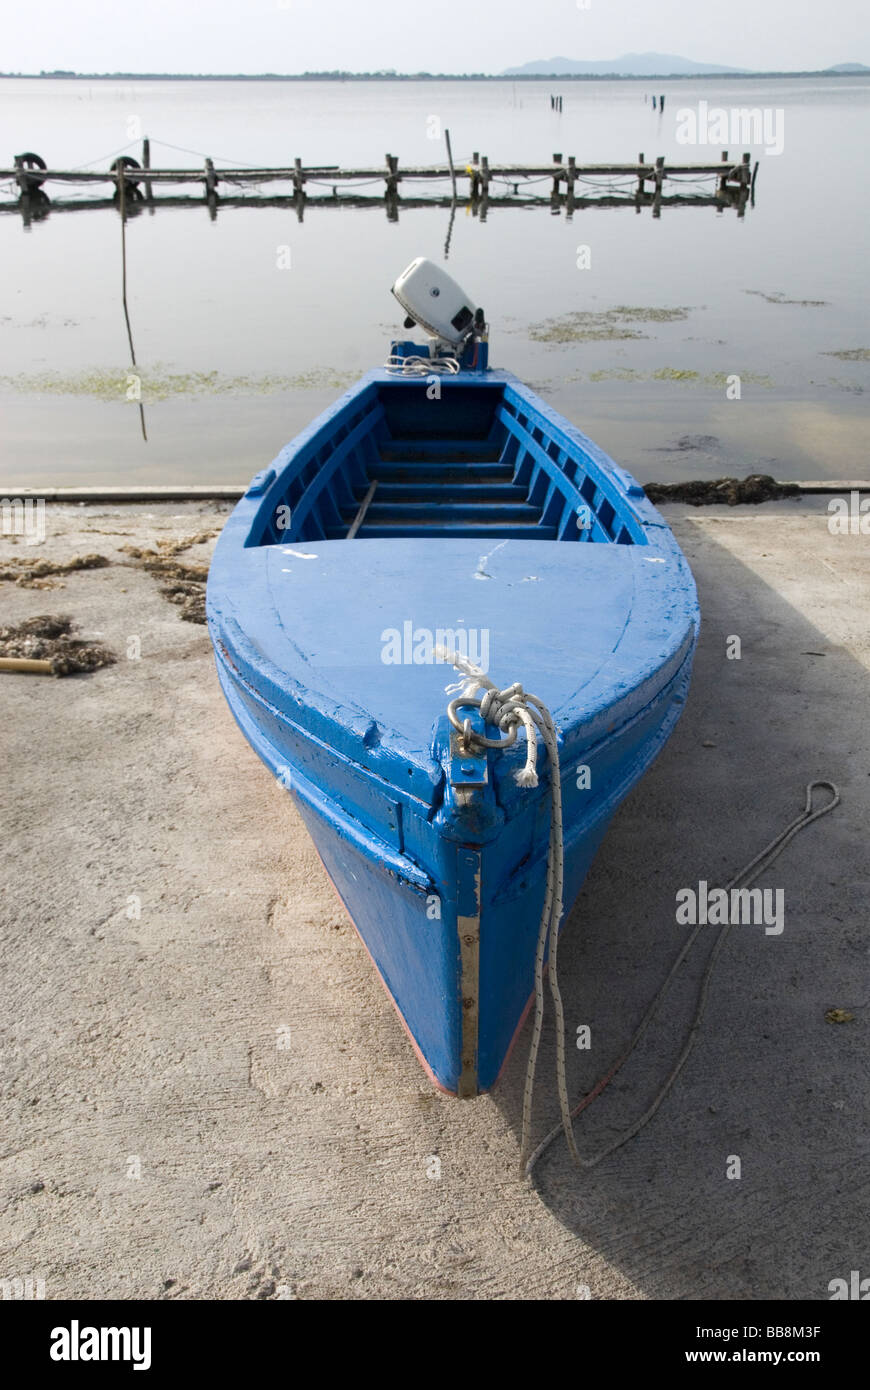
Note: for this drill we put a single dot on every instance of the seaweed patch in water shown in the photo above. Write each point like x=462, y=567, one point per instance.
x=604, y=325
x=157, y=384
x=615, y=374
x=850, y=354
x=777, y=298
x=639, y=314
x=675, y=374
x=680, y=374
x=688, y=443
x=723, y=379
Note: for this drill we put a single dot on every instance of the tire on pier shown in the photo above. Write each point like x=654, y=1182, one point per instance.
x=131, y=185
x=29, y=161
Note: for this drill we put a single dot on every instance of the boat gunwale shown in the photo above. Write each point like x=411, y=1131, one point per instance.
x=616, y=484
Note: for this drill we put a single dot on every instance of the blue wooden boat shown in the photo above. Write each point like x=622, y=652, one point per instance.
x=442, y=504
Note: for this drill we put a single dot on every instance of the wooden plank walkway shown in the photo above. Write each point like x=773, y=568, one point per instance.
x=330, y=173
x=30, y=175
x=485, y=185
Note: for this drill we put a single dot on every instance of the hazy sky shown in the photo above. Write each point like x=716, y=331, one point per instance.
x=438, y=36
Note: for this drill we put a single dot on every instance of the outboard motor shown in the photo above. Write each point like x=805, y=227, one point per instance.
x=457, y=328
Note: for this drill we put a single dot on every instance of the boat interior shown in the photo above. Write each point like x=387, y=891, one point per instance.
x=396, y=462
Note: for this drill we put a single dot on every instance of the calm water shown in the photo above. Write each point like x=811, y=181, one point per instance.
x=237, y=354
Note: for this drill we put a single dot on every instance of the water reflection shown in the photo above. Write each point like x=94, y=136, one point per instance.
x=134, y=382
x=34, y=205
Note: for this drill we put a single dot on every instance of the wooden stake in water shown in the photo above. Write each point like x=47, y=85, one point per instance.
x=450, y=162
x=121, y=200
x=146, y=164
x=453, y=203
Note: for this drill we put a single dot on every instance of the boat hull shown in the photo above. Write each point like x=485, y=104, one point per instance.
x=324, y=636
x=412, y=922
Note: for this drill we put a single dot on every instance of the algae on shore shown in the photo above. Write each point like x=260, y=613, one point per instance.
x=29, y=573
x=182, y=583
x=50, y=638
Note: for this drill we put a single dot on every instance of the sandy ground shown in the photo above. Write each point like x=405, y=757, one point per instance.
x=206, y=1093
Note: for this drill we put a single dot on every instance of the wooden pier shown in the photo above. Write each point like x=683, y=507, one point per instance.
x=569, y=182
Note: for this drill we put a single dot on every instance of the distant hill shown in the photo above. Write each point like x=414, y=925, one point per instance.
x=629, y=65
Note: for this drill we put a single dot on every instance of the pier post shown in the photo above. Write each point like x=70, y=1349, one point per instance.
x=146, y=164
x=211, y=189
x=484, y=185
x=557, y=159
x=659, y=177
x=392, y=175
x=745, y=183
x=298, y=180
x=723, y=177
x=641, y=181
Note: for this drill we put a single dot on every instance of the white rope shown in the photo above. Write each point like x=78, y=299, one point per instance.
x=113, y=154
x=505, y=709
x=421, y=366
x=745, y=876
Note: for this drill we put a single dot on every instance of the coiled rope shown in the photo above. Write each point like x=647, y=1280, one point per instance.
x=415, y=365
x=506, y=709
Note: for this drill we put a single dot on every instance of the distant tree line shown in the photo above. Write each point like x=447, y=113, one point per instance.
x=390, y=75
